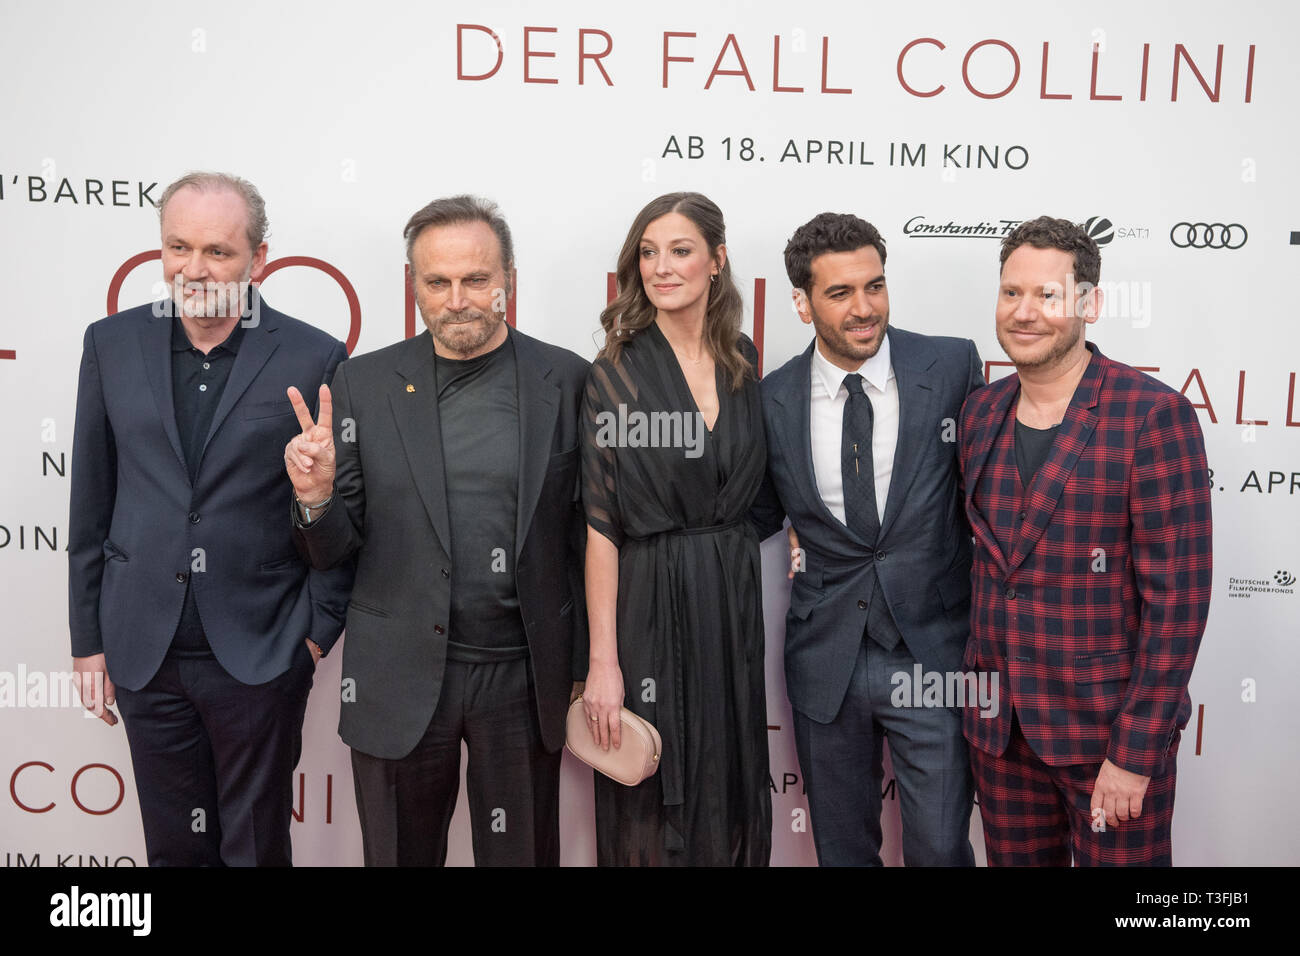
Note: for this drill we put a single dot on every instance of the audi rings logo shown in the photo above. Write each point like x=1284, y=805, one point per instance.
x=1208, y=235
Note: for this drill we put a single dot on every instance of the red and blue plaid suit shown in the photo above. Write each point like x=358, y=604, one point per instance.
x=1090, y=590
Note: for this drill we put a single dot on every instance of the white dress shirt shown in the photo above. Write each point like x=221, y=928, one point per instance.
x=827, y=425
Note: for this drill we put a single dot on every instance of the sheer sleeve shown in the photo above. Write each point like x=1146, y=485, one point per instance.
x=599, y=454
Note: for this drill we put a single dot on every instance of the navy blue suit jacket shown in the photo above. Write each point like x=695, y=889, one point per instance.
x=923, y=553
x=139, y=530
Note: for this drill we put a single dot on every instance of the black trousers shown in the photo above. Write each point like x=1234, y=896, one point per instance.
x=214, y=761
x=406, y=805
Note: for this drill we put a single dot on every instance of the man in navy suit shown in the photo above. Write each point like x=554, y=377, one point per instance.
x=189, y=604
x=861, y=434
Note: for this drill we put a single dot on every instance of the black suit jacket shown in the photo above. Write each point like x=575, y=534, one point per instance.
x=139, y=531
x=923, y=553
x=390, y=510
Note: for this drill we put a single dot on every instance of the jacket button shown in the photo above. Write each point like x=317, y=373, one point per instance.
x=862, y=605
x=194, y=517
x=438, y=628
x=446, y=573
x=1011, y=593
x=181, y=577
x=1021, y=516
x=880, y=555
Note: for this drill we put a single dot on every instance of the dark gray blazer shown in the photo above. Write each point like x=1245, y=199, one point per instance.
x=390, y=510
x=136, y=521
x=923, y=554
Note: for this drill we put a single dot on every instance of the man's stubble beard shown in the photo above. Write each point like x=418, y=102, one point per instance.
x=474, y=330
x=842, y=346
x=1059, y=350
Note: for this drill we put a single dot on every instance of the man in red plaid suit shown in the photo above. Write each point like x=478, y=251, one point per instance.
x=1087, y=490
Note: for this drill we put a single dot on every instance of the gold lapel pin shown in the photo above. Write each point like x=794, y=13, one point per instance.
x=410, y=388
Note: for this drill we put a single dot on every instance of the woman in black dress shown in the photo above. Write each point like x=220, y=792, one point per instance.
x=673, y=455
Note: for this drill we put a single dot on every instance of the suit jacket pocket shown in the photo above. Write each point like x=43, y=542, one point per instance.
x=113, y=553
x=365, y=608
x=281, y=564
x=254, y=410
x=806, y=592
x=1099, y=668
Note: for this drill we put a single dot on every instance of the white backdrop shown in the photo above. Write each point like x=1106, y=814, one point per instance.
x=349, y=117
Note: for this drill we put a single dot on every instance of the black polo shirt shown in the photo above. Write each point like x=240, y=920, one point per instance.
x=198, y=382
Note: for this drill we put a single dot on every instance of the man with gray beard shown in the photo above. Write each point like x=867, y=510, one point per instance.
x=448, y=464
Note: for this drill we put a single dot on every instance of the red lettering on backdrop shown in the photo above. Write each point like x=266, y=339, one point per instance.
x=1180, y=54
x=1196, y=374
x=1015, y=77
x=717, y=71
x=674, y=59
x=1290, y=403
x=115, y=286
x=121, y=789
x=991, y=364
x=1092, y=90
x=354, y=303
x=1241, y=399
x=1042, y=85
x=596, y=57
x=530, y=53
x=13, y=780
x=776, y=70
x=460, y=63
x=826, y=55
x=938, y=89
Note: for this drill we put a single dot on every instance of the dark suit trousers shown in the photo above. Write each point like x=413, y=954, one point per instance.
x=843, y=769
x=214, y=761
x=406, y=804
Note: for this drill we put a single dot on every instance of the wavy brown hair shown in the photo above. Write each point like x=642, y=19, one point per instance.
x=631, y=312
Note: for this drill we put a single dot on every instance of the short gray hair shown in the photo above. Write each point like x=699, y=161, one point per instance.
x=207, y=181
x=458, y=209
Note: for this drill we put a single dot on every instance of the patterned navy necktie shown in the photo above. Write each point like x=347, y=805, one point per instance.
x=856, y=465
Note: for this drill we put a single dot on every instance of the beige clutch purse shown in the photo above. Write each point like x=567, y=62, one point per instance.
x=635, y=759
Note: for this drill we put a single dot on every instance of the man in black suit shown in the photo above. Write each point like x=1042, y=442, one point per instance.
x=188, y=602
x=448, y=464
x=861, y=438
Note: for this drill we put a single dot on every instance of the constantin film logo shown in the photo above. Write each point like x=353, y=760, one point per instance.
x=919, y=227
x=1281, y=581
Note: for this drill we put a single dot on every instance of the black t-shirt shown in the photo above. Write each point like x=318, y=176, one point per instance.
x=1032, y=448
x=478, y=406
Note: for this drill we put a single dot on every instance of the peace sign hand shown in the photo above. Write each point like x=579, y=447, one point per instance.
x=309, y=457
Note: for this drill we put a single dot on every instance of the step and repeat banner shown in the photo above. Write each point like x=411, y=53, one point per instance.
x=1169, y=129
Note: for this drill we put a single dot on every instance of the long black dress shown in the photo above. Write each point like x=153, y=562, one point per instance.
x=690, y=614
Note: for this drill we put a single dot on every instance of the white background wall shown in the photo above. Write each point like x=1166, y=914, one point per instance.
x=350, y=117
